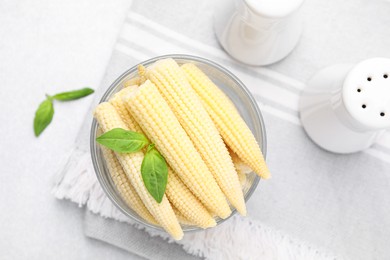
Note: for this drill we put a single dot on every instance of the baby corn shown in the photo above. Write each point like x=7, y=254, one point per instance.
x=186, y=105
x=124, y=187
x=159, y=123
x=109, y=119
x=178, y=194
x=186, y=203
x=231, y=126
x=183, y=220
x=120, y=107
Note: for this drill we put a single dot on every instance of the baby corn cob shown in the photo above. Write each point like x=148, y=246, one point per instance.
x=231, y=126
x=125, y=189
x=186, y=203
x=178, y=194
x=183, y=220
x=184, y=102
x=109, y=119
x=162, y=127
x=120, y=107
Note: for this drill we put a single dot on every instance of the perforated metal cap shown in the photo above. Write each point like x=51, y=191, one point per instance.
x=366, y=93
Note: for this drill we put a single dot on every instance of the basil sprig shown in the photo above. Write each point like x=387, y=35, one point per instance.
x=45, y=111
x=123, y=141
x=154, y=168
x=43, y=116
x=73, y=95
x=154, y=171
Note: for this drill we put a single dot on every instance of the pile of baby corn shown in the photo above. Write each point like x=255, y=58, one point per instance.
x=194, y=125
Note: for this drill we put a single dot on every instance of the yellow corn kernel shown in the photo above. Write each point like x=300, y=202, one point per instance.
x=109, y=119
x=159, y=123
x=178, y=194
x=230, y=124
x=124, y=187
x=186, y=105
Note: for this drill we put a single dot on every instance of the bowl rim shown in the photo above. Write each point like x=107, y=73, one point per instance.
x=112, y=88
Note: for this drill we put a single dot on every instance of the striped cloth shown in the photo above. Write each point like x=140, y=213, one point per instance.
x=337, y=202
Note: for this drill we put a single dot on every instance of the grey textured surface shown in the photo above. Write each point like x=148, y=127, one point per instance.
x=132, y=239
x=48, y=46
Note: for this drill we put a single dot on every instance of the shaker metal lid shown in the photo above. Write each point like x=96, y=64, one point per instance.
x=366, y=93
x=274, y=8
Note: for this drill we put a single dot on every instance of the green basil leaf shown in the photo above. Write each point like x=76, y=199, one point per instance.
x=43, y=116
x=72, y=95
x=154, y=171
x=123, y=141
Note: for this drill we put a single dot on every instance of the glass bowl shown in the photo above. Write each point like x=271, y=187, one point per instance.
x=229, y=84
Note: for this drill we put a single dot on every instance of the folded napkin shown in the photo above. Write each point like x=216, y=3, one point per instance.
x=337, y=202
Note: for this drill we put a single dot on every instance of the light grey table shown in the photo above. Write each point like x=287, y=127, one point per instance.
x=48, y=46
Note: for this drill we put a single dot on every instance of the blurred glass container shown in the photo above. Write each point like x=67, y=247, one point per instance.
x=228, y=83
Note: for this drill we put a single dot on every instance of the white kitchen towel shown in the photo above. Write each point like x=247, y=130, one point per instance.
x=339, y=202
